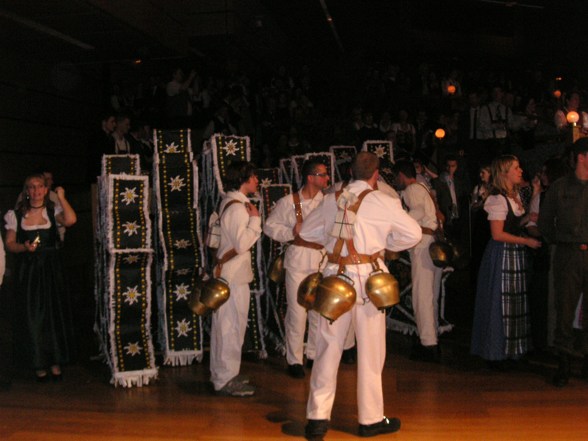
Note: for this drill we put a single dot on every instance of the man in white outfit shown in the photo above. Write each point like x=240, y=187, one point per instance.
x=302, y=258
x=240, y=229
x=380, y=224
x=426, y=277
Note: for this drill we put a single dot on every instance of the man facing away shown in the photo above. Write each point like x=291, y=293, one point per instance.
x=302, y=258
x=380, y=223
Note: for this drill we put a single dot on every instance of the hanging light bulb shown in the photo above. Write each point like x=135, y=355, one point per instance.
x=439, y=133
x=572, y=117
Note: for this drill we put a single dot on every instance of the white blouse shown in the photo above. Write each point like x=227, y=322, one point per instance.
x=497, y=209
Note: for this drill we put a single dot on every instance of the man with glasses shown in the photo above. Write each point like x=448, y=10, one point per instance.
x=302, y=258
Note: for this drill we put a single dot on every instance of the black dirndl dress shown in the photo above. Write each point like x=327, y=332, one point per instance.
x=502, y=328
x=43, y=330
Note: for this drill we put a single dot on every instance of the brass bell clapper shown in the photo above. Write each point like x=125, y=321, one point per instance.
x=307, y=288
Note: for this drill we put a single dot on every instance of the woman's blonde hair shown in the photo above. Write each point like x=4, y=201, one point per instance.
x=500, y=167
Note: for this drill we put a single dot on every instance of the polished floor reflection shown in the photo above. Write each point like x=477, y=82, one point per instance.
x=459, y=399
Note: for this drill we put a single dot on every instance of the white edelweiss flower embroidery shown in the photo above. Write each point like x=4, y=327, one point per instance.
x=133, y=348
x=131, y=228
x=176, y=183
x=129, y=195
x=132, y=295
x=182, y=328
x=171, y=148
x=231, y=148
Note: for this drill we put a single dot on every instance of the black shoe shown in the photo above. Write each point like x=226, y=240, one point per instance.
x=584, y=371
x=349, y=356
x=315, y=430
x=428, y=354
x=385, y=426
x=309, y=363
x=57, y=378
x=42, y=378
x=296, y=370
x=562, y=376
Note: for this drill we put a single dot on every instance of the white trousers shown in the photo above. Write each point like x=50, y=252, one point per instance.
x=295, y=321
x=426, y=284
x=370, y=331
x=227, y=333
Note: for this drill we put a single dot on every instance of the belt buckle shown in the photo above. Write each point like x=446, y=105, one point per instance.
x=583, y=246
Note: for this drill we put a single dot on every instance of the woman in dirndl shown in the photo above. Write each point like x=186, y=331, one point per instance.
x=501, y=328
x=31, y=234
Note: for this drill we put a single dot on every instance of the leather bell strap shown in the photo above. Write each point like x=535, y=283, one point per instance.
x=298, y=241
x=428, y=231
x=218, y=263
x=353, y=257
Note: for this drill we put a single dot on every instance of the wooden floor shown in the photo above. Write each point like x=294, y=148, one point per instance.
x=457, y=400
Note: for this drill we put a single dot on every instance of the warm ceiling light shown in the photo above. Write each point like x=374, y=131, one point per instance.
x=573, y=117
x=557, y=93
x=439, y=133
x=451, y=89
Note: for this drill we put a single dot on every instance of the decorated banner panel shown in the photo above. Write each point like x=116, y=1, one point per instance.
x=120, y=164
x=123, y=273
x=382, y=149
x=386, y=172
x=132, y=358
x=287, y=170
x=297, y=162
x=181, y=328
x=401, y=317
x=258, y=283
x=172, y=141
x=129, y=215
x=268, y=176
x=274, y=303
x=180, y=258
x=344, y=154
x=225, y=150
x=326, y=158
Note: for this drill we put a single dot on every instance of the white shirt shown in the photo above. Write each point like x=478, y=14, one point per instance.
x=239, y=231
x=420, y=205
x=279, y=226
x=380, y=224
x=382, y=186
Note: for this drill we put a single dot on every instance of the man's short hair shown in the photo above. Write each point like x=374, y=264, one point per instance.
x=238, y=173
x=405, y=167
x=364, y=165
x=579, y=147
x=450, y=157
x=309, y=168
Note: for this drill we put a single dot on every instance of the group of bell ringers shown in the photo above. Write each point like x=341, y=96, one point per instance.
x=247, y=259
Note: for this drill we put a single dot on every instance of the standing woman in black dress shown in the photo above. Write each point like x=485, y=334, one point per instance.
x=31, y=233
